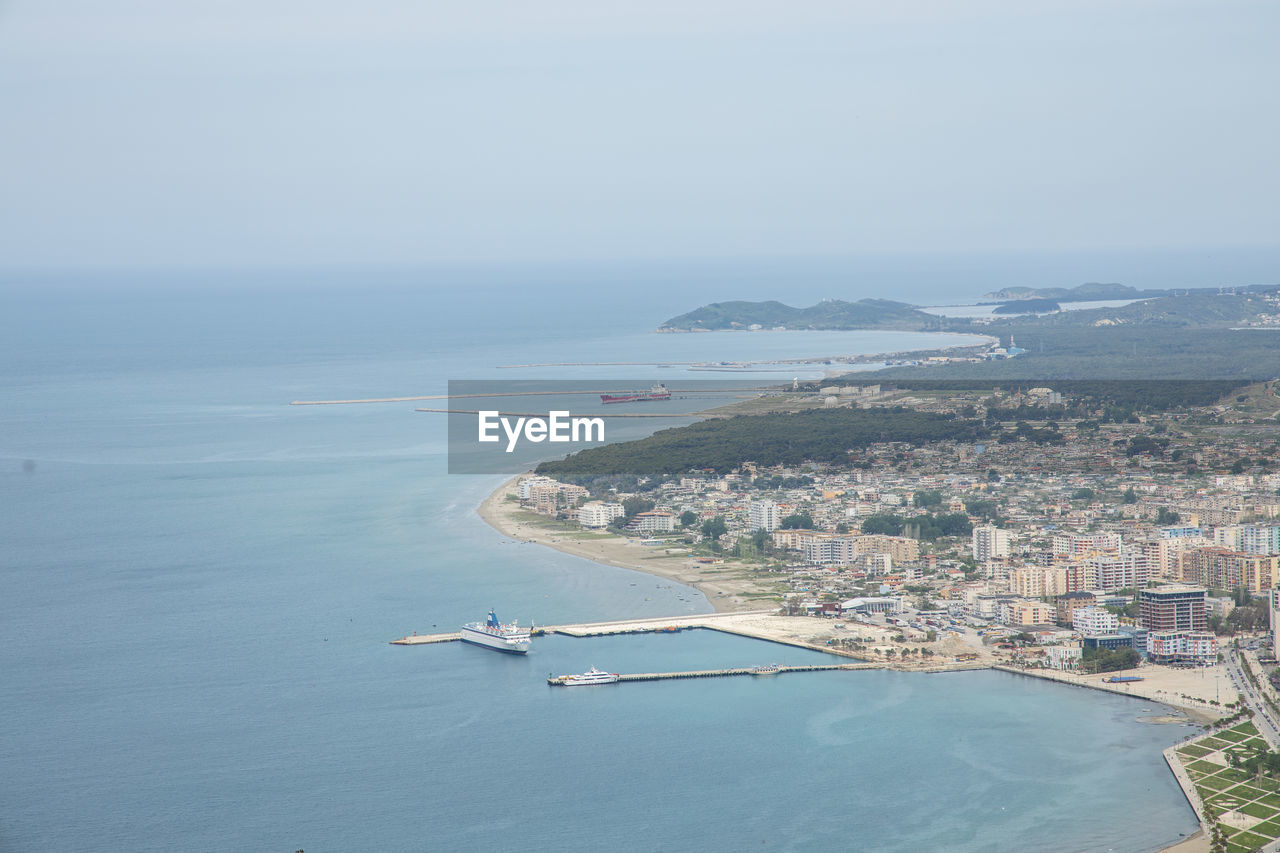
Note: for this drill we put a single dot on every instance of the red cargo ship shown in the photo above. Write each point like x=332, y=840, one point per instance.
x=657, y=392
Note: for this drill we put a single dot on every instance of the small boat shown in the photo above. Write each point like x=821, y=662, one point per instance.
x=766, y=669
x=591, y=676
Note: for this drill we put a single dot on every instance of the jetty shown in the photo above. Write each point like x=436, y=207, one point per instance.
x=487, y=394
x=416, y=639
x=559, y=680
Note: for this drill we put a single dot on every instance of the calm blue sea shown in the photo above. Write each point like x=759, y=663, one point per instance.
x=198, y=583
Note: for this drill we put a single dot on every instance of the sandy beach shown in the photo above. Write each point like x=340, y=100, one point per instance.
x=1189, y=690
x=729, y=587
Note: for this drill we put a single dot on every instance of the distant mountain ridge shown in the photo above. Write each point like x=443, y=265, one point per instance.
x=828, y=314
x=1080, y=293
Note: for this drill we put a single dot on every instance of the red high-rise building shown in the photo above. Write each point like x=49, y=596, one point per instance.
x=1173, y=608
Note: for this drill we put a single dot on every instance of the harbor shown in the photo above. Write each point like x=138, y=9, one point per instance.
x=800, y=632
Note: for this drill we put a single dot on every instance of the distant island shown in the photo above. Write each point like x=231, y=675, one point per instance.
x=1027, y=306
x=829, y=314
x=1088, y=292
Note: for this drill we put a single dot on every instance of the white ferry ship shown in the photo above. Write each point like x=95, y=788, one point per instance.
x=494, y=635
x=591, y=676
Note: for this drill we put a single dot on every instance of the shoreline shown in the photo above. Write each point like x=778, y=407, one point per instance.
x=1186, y=691
x=728, y=594
x=1155, y=687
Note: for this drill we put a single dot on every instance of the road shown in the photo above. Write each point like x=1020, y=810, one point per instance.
x=1264, y=717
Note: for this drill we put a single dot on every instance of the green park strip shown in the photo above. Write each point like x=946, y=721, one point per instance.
x=1248, y=841
x=1258, y=810
x=1213, y=783
x=1246, y=791
x=1207, y=767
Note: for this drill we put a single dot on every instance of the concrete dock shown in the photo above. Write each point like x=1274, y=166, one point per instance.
x=422, y=639
x=656, y=625
x=558, y=680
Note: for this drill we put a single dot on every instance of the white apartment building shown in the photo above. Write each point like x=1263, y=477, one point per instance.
x=875, y=564
x=652, y=522
x=1078, y=544
x=1094, y=620
x=1259, y=539
x=1228, y=536
x=598, y=514
x=989, y=543
x=1063, y=657
x=528, y=483
x=763, y=515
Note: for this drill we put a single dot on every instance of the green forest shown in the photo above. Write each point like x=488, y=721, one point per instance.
x=719, y=446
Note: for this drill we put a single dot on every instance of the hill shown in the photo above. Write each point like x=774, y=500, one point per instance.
x=830, y=314
x=1081, y=293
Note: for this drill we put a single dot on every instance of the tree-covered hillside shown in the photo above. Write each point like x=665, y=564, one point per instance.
x=772, y=439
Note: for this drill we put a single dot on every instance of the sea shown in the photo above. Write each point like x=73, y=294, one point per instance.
x=199, y=583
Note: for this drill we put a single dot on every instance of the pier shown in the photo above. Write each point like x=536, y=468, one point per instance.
x=488, y=394
x=558, y=680
x=416, y=639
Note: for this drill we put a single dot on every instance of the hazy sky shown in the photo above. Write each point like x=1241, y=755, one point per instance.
x=244, y=132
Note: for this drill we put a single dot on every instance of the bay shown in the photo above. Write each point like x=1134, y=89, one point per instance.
x=199, y=583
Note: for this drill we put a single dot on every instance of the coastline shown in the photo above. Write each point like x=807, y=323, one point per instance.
x=727, y=589
x=730, y=591
x=1162, y=685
